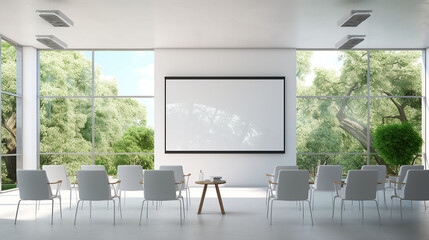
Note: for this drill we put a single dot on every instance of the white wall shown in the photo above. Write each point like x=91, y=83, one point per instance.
x=29, y=108
x=237, y=169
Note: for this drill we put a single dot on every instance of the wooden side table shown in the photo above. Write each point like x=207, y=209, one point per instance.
x=216, y=184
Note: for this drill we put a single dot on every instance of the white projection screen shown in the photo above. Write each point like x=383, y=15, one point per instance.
x=224, y=114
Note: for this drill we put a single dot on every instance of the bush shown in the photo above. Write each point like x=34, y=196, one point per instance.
x=397, y=143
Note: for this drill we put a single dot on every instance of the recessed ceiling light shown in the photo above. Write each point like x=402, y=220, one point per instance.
x=354, y=18
x=55, y=17
x=51, y=41
x=350, y=41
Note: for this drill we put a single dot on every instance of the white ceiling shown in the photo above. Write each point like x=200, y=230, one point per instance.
x=137, y=24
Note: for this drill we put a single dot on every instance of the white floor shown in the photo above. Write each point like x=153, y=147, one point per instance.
x=244, y=219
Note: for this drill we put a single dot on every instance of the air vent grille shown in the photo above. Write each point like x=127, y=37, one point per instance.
x=55, y=17
x=354, y=18
x=51, y=42
x=350, y=41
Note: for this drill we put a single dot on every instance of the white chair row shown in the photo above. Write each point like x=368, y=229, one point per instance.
x=94, y=184
x=360, y=185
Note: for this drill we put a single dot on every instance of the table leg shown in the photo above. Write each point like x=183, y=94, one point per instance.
x=202, y=198
x=219, y=198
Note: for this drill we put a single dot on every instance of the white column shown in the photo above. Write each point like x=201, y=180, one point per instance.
x=425, y=113
x=29, y=108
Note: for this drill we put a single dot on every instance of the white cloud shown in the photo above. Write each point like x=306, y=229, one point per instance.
x=146, y=82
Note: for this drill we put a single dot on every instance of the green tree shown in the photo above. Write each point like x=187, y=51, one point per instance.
x=8, y=111
x=397, y=143
x=393, y=73
x=66, y=123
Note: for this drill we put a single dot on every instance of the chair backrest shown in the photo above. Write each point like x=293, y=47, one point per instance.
x=92, y=167
x=293, y=185
x=178, y=173
x=282, y=167
x=33, y=185
x=130, y=176
x=326, y=174
x=159, y=185
x=361, y=185
x=381, y=174
x=93, y=185
x=403, y=172
x=58, y=172
x=417, y=185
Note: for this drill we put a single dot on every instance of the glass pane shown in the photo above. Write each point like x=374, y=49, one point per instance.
x=65, y=73
x=396, y=73
x=8, y=124
x=331, y=73
x=8, y=172
x=65, y=125
x=8, y=67
x=395, y=110
x=72, y=162
x=311, y=162
x=124, y=73
x=122, y=125
x=111, y=162
x=331, y=125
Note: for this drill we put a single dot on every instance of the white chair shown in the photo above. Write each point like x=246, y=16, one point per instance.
x=326, y=174
x=381, y=169
x=94, y=186
x=402, y=173
x=130, y=177
x=415, y=188
x=34, y=186
x=180, y=176
x=58, y=172
x=273, y=177
x=360, y=185
x=159, y=185
x=92, y=167
x=292, y=185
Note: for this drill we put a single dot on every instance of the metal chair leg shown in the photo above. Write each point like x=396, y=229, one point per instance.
x=141, y=213
x=52, y=213
x=342, y=203
x=17, y=209
x=311, y=214
x=333, y=207
x=362, y=210
x=180, y=206
x=400, y=206
x=75, y=215
x=61, y=208
x=378, y=211
x=271, y=211
x=114, y=212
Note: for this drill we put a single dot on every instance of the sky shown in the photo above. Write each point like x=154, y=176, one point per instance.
x=323, y=59
x=134, y=73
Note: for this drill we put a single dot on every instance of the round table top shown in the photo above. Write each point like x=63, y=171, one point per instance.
x=210, y=182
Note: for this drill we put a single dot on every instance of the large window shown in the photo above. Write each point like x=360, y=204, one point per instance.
x=11, y=109
x=96, y=107
x=343, y=96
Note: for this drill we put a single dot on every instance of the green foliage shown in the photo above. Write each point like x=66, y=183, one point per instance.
x=66, y=123
x=135, y=140
x=397, y=143
x=397, y=73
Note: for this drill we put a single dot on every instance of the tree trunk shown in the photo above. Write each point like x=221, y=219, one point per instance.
x=358, y=130
x=10, y=144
